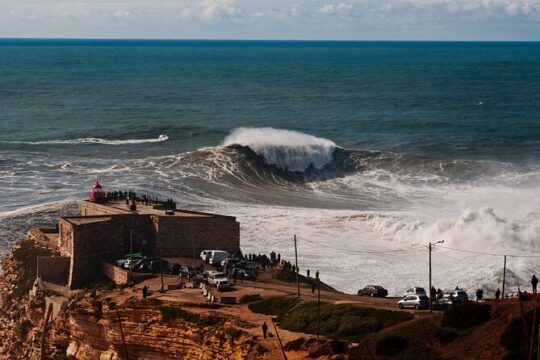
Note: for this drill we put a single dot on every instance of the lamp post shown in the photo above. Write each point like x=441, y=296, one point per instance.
x=429, y=289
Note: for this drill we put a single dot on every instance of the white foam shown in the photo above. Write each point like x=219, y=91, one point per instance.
x=161, y=138
x=286, y=149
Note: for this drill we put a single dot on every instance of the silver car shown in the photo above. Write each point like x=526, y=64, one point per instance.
x=414, y=302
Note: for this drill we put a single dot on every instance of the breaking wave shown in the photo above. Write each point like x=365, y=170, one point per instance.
x=100, y=141
x=285, y=149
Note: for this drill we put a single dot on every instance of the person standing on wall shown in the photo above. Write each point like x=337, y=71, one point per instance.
x=534, y=283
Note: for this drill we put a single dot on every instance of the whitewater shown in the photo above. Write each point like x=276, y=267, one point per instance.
x=370, y=225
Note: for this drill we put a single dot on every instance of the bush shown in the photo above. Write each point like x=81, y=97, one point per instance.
x=169, y=313
x=274, y=305
x=234, y=332
x=244, y=299
x=358, y=325
x=466, y=315
x=391, y=345
x=512, y=338
x=294, y=344
x=446, y=335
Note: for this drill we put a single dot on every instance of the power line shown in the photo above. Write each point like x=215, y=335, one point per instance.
x=361, y=252
x=487, y=253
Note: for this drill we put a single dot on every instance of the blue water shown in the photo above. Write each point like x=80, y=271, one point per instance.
x=449, y=100
x=413, y=142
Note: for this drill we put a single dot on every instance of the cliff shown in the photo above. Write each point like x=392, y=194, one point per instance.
x=91, y=324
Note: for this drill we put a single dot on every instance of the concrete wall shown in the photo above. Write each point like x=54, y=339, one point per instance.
x=118, y=275
x=54, y=269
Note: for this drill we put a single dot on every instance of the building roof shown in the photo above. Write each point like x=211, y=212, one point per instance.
x=81, y=220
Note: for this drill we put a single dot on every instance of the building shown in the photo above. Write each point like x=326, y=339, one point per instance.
x=108, y=229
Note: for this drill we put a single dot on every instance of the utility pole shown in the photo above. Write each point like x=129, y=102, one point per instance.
x=504, y=277
x=429, y=289
x=296, y=260
x=318, y=304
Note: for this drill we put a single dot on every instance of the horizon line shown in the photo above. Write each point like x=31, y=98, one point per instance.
x=267, y=40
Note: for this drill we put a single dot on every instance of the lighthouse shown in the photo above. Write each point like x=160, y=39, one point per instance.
x=97, y=195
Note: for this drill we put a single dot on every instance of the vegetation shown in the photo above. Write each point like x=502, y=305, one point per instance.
x=289, y=276
x=294, y=344
x=336, y=321
x=27, y=254
x=466, y=315
x=172, y=313
x=513, y=339
x=391, y=345
x=446, y=335
x=274, y=305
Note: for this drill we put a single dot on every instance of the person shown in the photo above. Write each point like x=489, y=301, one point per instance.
x=144, y=292
x=479, y=294
x=313, y=286
x=317, y=274
x=433, y=293
x=534, y=282
x=264, y=329
x=307, y=272
x=497, y=294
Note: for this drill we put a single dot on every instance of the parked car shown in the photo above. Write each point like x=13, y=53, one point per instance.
x=214, y=276
x=222, y=284
x=414, y=301
x=173, y=269
x=141, y=265
x=217, y=256
x=373, y=291
x=202, y=277
x=415, y=291
x=245, y=274
x=451, y=298
x=229, y=262
x=132, y=259
x=188, y=271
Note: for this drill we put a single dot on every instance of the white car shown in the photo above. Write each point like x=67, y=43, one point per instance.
x=222, y=284
x=415, y=291
x=414, y=301
x=215, y=276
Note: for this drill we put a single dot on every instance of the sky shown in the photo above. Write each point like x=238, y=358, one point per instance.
x=277, y=19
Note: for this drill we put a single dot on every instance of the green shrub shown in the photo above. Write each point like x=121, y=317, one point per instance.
x=446, y=335
x=466, y=315
x=391, y=345
x=274, y=305
x=358, y=325
x=245, y=299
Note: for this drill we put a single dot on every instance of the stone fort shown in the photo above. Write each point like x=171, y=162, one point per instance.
x=107, y=230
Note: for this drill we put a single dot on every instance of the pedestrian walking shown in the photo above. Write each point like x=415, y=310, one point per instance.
x=534, y=282
x=497, y=294
x=144, y=292
x=264, y=329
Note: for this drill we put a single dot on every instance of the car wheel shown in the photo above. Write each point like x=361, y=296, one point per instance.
x=372, y=295
x=400, y=306
x=416, y=307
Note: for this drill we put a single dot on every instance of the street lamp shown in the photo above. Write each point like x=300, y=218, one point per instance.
x=429, y=289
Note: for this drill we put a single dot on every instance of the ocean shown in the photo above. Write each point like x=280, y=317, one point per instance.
x=367, y=151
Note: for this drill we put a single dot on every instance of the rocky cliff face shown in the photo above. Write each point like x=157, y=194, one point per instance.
x=94, y=326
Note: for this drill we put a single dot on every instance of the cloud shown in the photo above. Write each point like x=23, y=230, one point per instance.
x=212, y=10
x=341, y=9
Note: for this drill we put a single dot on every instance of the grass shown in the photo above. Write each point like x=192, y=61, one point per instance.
x=336, y=321
x=289, y=276
x=27, y=254
x=169, y=313
x=467, y=315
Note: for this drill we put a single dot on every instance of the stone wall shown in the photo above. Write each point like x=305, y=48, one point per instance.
x=118, y=275
x=54, y=269
x=181, y=236
x=44, y=237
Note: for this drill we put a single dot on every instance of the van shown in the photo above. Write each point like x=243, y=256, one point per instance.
x=217, y=256
x=205, y=255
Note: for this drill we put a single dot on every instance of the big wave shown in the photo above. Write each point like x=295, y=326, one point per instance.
x=92, y=140
x=285, y=149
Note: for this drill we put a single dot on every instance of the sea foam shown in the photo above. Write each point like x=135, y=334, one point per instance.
x=92, y=140
x=286, y=149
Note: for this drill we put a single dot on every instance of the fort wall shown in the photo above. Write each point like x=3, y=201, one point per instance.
x=54, y=269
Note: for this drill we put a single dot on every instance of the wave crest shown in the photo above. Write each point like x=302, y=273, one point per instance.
x=100, y=141
x=285, y=149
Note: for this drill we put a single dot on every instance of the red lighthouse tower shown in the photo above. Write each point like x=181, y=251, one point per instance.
x=97, y=195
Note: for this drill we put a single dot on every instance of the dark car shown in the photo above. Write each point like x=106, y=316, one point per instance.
x=202, y=277
x=142, y=265
x=373, y=291
x=173, y=269
x=188, y=271
x=244, y=274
